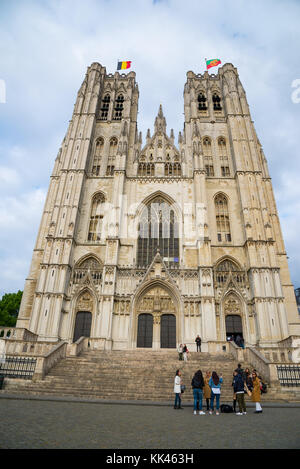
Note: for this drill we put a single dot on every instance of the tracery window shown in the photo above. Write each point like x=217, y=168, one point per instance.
x=226, y=268
x=172, y=169
x=105, y=107
x=222, y=148
x=209, y=170
x=225, y=171
x=110, y=170
x=118, y=108
x=222, y=218
x=113, y=147
x=89, y=264
x=146, y=169
x=158, y=229
x=207, y=151
x=96, y=217
x=98, y=156
x=202, y=102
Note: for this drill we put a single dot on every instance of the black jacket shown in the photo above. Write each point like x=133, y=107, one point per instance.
x=197, y=384
x=238, y=383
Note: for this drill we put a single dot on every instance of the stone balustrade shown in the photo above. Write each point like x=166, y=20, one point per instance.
x=17, y=333
x=45, y=363
x=75, y=349
x=28, y=348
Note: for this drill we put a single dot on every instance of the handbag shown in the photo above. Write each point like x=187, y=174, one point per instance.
x=182, y=387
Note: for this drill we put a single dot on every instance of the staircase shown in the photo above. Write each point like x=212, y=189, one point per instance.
x=126, y=375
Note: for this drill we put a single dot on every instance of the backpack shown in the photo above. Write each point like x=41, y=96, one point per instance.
x=263, y=388
x=226, y=409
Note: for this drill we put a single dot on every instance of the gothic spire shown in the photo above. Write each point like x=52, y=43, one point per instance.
x=160, y=124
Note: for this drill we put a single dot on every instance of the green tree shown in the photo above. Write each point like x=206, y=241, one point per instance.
x=9, y=308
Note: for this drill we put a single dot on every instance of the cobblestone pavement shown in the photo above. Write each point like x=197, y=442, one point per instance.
x=45, y=424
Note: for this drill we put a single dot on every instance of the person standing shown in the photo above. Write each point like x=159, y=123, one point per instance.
x=255, y=397
x=197, y=385
x=198, y=343
x=248, y=379
x=240, y=370
x=185, y=352
x=177, y=390
x=234, y=394
x=215, y=386
x=180, y=351
x=207, y=390
x=239, y=389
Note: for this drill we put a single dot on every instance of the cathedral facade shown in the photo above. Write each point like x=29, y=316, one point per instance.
x=149, y=245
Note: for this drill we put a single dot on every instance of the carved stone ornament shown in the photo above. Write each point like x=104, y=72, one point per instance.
x=85, y=302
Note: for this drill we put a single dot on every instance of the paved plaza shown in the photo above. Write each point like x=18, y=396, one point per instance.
x=42, y=424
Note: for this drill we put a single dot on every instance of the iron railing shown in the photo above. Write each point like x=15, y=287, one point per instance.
x=18, y=367
x=289, y=375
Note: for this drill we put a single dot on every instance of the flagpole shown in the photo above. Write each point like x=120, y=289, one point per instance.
x=206, y=63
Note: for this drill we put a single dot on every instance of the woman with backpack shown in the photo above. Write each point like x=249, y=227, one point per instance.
x=197, y=385
x=215, y=386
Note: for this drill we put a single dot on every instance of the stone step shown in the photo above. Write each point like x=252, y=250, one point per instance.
x=126, y=375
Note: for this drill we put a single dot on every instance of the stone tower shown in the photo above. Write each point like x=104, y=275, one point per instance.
x=147, y=246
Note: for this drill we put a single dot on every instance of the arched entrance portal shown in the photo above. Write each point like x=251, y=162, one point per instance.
x=83, y=320
x=234, y=326
x=233, y=318
x=156, y=319
x=82, y=325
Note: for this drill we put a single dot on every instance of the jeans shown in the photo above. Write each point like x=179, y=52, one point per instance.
x=198, y=347
x=241, y=401
x=177, y=400
x=198, y=394
x=217, y=401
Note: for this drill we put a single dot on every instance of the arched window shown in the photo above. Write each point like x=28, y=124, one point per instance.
x=98, y=156
x=216, y=102
x=208, y=160
x=207, y=147
x=110, y=170
x=222, y=218
x=158, y=229
x=172, y=169
x=96, y=218
x=222, y=150
x=113, y=144
x=118, y=109
x=146, y=169
x=202, y=102
x=104, y=107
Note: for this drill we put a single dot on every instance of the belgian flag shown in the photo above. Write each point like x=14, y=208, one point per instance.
x=124, y=65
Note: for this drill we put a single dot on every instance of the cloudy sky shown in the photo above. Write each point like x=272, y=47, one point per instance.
x=46, y=46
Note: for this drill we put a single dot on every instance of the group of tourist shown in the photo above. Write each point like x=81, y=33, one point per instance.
x=183, y=350
x=208, y=387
